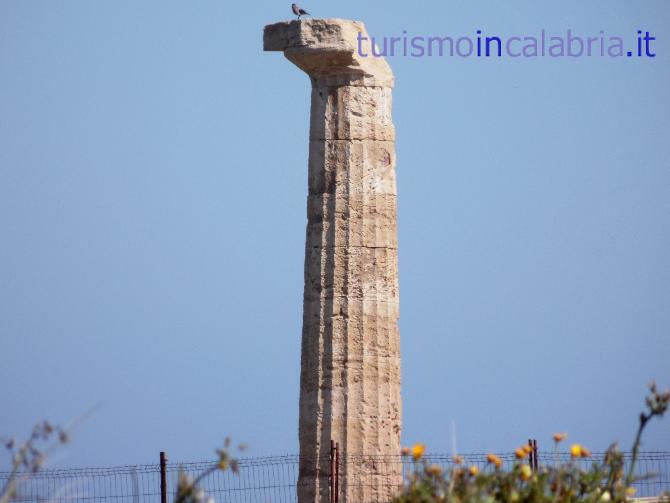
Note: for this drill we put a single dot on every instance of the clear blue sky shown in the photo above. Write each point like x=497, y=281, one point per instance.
x=153, y=169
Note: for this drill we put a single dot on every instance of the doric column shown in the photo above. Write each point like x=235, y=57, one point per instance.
x=350, y=365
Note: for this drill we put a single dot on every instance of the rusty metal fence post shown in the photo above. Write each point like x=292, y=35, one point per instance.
x=163, y=458
x=532, y=457
x=337, y=472
x=331, y=473
x=334, y=475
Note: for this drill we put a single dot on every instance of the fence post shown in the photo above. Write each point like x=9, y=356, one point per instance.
x=331, y=474
x=532, y=457
x=337, y=472
x=163, y=459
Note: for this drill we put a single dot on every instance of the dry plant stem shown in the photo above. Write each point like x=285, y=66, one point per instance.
x=10, y=486
x=644, y=419
x=203, y=475
x=610, y=478
x=29, y=456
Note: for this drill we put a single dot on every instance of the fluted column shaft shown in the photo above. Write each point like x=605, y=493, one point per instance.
x=350, y=364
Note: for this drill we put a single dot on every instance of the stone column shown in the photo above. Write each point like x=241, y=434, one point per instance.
x=350, y=365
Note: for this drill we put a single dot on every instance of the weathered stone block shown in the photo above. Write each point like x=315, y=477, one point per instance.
x=351, y=113
x=327, y=50
x=351, y=167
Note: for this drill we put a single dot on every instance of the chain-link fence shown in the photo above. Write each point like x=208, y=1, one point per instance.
x=262, y=480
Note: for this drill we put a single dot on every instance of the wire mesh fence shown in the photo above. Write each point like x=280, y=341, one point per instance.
x=269, y=479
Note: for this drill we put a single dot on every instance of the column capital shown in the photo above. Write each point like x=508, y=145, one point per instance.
x=328, y=51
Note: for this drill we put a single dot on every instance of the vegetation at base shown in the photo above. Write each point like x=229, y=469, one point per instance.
x=604, y=481
x=30, y=456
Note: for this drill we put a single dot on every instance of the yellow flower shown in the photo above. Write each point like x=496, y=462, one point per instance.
x=458, y=459
x=473, y=470
x=494, y=460
x=435, y=470
x=405, y=451
x=525, y=472
x=579, y=451
x=630, y=491
x=418, y=450
x=576, y=451
x=559, y=437
x=520, y=453
x=605, y=497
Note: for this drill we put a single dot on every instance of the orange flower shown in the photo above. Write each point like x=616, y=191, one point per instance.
x=458, y=459
x=559, y=437
x=494, y=460
x=520, y=453
x=435, y=470
x=418, y=450
x=525, y=472
x=527, y=448
x=405, y=451
x=473, y=470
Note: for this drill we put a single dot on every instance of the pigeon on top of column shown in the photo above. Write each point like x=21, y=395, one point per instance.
x=298, y=11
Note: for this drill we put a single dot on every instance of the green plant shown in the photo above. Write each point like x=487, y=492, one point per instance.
x=189, y=489
x=604, y=481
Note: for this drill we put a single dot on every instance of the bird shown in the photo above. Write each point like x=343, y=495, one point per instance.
x=298, y=11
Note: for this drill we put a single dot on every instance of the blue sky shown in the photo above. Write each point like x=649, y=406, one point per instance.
x=153, y=169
